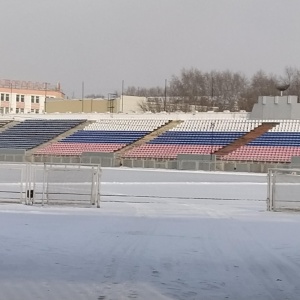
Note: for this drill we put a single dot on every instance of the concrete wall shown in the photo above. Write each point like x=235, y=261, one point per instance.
x=149, y=163
x=125, y=104
x=76, y=106
x=276, y=108
x=55, y=159
x=196, y=162
x=295, y=162
x=196, y=165
x=100, y=158
x=12, y=155
x=131, y=104
x=111, y=161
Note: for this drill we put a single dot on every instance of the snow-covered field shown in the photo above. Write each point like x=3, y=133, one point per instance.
x=158, y=235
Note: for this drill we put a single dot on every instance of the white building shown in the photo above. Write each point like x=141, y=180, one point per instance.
x=18, y=97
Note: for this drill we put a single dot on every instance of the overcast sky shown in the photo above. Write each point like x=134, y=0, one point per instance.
x=144, y=42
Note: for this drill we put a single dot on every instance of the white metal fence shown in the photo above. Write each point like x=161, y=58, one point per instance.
x=283, y=189
x=52, y=184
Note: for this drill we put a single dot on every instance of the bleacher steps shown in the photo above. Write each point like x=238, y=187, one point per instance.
x=147, y=138
x=81, y=126
x=8, y=125
x=246, y=138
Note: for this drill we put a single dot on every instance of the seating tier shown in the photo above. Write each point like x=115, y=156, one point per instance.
x=77, y=148
x=169, y=151
x=191, y=136
x=31, y=133
x=204, y=133
x=103, y=136
x=263, y=154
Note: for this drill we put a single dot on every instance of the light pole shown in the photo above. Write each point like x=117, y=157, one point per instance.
x=122, y=96
x=82, y=95
x=10, y=101
x=165, y=102
x=45, y=105
x=212, y=126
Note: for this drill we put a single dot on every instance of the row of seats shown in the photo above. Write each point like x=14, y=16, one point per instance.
x=217, y=125
x=270, y=154
x=98, y=137
x=126, y=125
x=197, y=138
x=169, y=151
x=236, y=125
x=77, y=148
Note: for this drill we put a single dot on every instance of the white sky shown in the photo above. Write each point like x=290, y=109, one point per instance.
x=144, y=42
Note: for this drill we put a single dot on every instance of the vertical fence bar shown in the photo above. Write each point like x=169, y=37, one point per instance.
x=98, y=186
x=27, y=183
x=43, y=186
x=34, y=184
x=47, y=185
x=269, y=182
x=94, y=174
x=22, y=183
x=273, y=190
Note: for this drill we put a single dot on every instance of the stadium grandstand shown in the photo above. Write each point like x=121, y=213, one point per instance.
x=269, y=134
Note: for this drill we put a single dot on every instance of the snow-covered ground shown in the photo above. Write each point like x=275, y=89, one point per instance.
x=158, y=235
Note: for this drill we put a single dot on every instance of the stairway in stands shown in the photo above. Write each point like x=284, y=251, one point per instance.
x=6, y=124
x=152, y=135
x=247, y=138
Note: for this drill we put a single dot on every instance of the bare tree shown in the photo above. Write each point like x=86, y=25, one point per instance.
x=194, y=90
x=260, y=84
x=292, y=77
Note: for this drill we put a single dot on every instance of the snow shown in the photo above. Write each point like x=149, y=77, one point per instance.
x=158, y=235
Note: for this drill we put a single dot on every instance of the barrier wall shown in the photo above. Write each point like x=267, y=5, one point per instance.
x=188, y=163
x=196, y=165
x=102, y=158
x=12, y=155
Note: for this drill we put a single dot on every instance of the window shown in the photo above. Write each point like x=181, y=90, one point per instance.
x=22, y=98
x=32, y=99
x=37, y=111
x=32, y=110
x=2, y=97
x=37, y=99
x=22, y=110
x=17, y=110
x=6, y=110
x=17, y=98
x=7, y=97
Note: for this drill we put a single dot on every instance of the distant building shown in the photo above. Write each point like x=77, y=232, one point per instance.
x=26, y=96
x=116, y=104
